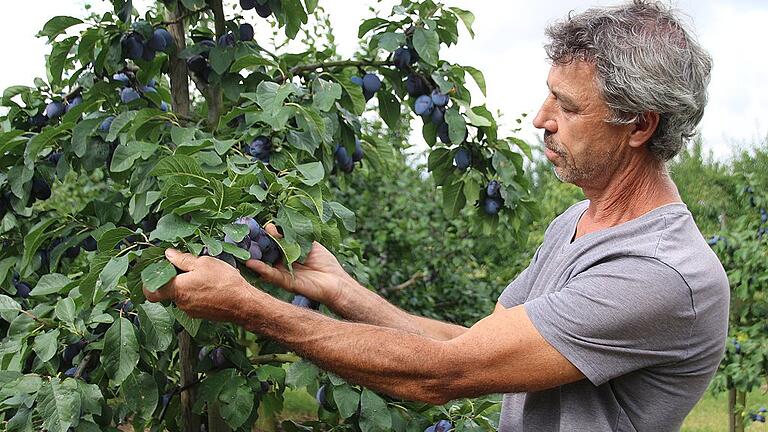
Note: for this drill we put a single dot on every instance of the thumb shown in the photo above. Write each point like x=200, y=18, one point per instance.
x=271, y=229
x=269, y=274
x=182, y=261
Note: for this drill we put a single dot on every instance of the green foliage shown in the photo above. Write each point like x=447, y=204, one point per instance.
x=134, y=169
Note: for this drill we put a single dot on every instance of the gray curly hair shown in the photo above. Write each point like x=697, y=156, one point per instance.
x=646, y=61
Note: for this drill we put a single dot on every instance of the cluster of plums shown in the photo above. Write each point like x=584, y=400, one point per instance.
x=492, y=202
x=262, y=8
x=22, y=288
x=136, y=47
x=130, y=93
x=199, y=64
x=370, y=83
x=346, y=162
x=759, y=416
x=54, y=110
x=257, y=242
x=259, y=149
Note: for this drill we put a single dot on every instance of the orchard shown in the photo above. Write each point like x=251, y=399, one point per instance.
x=176, y=126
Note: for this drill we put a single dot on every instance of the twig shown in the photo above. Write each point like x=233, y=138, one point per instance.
x=412, y=280
x=333, y=64
x=268, y=358
x=83, y=364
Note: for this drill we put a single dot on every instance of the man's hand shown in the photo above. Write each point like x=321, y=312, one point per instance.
x=209, y=288
x=320, y=277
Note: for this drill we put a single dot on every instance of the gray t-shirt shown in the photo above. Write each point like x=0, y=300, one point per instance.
x=641, y=309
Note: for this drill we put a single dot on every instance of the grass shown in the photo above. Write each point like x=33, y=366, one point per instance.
x=711, y=413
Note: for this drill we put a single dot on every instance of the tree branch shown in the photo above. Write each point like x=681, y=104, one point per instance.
x=280, y=358
x=179, y=18
x=333, y=64
x=412, y=280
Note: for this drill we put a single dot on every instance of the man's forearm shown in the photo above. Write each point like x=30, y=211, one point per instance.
x=359, y=304
x=393, y=361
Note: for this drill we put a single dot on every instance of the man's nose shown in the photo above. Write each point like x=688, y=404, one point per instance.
x=544, y=119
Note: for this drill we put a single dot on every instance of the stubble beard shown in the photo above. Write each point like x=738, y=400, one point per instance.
x=593, y=167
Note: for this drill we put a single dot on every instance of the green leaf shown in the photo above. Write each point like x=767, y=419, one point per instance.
x=80, y=134
x=249, y=61
x=59, y=404
x=467, y=17
x=126, y=155
x=453, y=198
x=236, y=231
x=49, y=284
x=313, y=173
x=180, y=166
x=158, y=274
x=347, y=400
x=457, y=126
x=112, y=272
x=301, y=374
x=391, y=41
x=369, y=25
x=32, y=241
x=57, y=25
x=324, y=94
x=9, y=308
x=346, y=215
x=192, y=325
x=389, y=108
x=171, y=227
x=221, y=59
x=119, y=123
x=58, y=58
x=374, y=415
x=40, y=141
x=45, y=345
x=236, y=400
x=121, y=351
x=354, y=94
x=156, y=326
x=478, y=76
x=65, y=310
x=140, y=394
x=427, y=44
x=110, y=238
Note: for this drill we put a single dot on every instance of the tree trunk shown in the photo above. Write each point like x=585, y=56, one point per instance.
x=177, y=66
x=737, y=400
x=187, y=357
x=214, y=95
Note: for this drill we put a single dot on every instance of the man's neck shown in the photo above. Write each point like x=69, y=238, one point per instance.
x=633, y=190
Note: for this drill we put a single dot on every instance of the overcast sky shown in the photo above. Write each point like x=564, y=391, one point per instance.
x=508, y=49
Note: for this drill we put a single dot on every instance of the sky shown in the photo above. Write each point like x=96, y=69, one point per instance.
x=508, y=49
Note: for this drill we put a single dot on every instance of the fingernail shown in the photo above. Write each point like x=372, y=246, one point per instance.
x=171, y=253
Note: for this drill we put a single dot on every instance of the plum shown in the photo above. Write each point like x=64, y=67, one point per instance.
x=22, y=289
x=344, y=160
x=40, y=189
x=77, y=100
x=38, y=120
x=89, y=244
x=148, y=54
x=197, y=63
x=72, y=252
x=159, y=39
x=301, y=301
x=218, y=358
x=271, y=256
x=442, y=133
x=247, y=4
x=423, y=106
x=493, y=188
x=133, y=48
x=106, y=124
x=255, y=251
x=371, y=82
x=357, y=80
x=246, y=32
x=227, y=40
x=122, y=78
x=439, y=99
x=245, y=243
x=438, y=116
x=260, y=148
x=443, y=426
x=320, y=396
x=491, y=206
x=263, y=10
x=54, y=110
x=54, y=157
x=462, y=159
x=402, y=58
x=128, y=95
x=415, y=85
x=164, y=107
x=357, y=155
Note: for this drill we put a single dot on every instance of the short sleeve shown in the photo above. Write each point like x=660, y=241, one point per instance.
x=517, y=291
x=617, y=317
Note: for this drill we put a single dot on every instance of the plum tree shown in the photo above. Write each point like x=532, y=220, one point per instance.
x=174, y=127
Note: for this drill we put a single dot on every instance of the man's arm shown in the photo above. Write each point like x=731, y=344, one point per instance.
x=502, y=353
x=359, y=304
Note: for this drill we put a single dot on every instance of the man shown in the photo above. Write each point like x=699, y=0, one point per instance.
x=618, y=323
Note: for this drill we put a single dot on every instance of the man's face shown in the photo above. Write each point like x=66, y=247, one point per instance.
x=584, y=149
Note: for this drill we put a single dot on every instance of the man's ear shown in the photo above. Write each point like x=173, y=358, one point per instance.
x=644, y=129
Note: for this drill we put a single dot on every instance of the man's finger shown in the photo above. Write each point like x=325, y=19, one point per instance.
x=271, y=229
x=270, y=274
x=165, y=292
x=182, y=261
